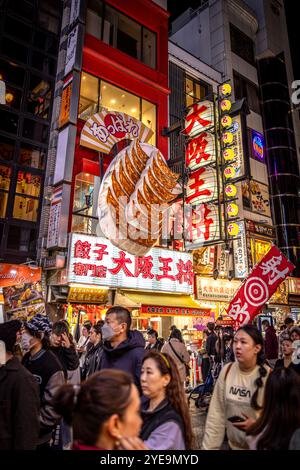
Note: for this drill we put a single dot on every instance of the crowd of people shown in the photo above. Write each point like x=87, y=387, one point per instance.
x=113, y=390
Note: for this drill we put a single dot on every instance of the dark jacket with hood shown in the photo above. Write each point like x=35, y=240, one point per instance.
x=271, y=343
x=19, y=407
x=127, y=356
x=67, y=357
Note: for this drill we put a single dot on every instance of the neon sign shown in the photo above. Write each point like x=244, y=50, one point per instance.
x=258, y=146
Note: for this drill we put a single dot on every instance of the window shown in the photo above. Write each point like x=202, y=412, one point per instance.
x=243, y=88
x=21, y=238
x=38, y=97
x=86, y=193
x=35, y=131
x=121, y=32
x=17, y=29
x=46, y=42
x=242, y=45
x=5, y=177
x=24, y=9
x=195, y=90
x=12, y=97
x=14, y=50
x=94, y=91
x=7, y=147
x=89, y=96
x=26, y=208
x=28, y=184
x=12, y=73
x=44, y=63
x=9, y=122
x=32, y=156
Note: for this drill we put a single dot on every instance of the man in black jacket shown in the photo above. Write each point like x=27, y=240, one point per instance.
x=19, y=397
x=122, y=348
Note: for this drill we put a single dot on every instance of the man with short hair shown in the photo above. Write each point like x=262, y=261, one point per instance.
x=122, y=348
x=285, y=334
x=271, y=343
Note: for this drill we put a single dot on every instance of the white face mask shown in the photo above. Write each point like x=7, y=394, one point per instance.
x=25, y=341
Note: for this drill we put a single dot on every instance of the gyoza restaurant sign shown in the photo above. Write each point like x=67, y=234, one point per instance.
x=96, y=261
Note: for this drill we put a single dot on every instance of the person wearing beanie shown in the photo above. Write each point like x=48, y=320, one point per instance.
x=19, y=417
x=47, y=370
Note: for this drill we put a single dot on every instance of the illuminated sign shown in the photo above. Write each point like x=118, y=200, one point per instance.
x=233, y=229
x=204, y=227
x=199, y=118
x=201, y=151
x=202, y=186
x=257, y=146
x=240, y=254
x=221, y=290
x=96, y=261
x=103, y=130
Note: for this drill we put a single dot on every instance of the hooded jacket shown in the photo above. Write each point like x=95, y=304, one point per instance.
x=271, y=343
x=19, y=407
x=127, y=356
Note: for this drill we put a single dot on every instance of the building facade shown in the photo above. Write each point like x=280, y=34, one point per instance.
x=247, y=42
x=29, y=33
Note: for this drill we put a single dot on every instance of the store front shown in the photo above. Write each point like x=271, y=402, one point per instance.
x=157, y=288
x=216, y=294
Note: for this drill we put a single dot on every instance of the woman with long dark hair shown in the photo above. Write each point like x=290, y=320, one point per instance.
x=280, y=416
x=166, y=420
x=238, y=393
x=102, y=411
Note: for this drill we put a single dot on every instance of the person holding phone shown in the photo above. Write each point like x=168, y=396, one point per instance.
x=238, y=394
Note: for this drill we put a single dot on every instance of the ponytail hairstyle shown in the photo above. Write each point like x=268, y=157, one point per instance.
x=174, y=391
x=89, y=406
x=256, y=336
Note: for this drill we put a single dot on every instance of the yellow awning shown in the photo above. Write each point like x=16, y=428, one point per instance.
x=136, y=299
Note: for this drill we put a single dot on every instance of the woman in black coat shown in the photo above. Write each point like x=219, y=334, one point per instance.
x=19, y=397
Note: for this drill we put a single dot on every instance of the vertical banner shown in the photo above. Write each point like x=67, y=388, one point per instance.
x=259, y=286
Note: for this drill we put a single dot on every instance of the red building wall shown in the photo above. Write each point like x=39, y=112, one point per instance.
x=128, y=73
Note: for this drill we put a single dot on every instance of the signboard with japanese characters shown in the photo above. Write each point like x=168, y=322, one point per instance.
x=202, y=186
x=241, y=268
x=54, y=218
x=96, y=261
x=220, y=290
x=260, y=201
x=202, y=212
x=260, y=285
x=203, y=226
x=199, y=118
x=201, y=151
x=66, y=101
x=170, y=311
x=237, y=147
x=104, y=129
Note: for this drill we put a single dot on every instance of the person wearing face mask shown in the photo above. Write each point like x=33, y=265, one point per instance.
x=19, y=397
x=46, y=369
x=122, y=348
x=93, y=356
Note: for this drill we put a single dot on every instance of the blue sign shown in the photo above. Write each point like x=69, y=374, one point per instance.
x=257, y=146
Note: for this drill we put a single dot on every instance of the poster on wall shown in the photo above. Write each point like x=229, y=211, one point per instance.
x=260, y=201
x=23, y=301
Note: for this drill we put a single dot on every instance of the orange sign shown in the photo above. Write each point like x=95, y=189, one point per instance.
x=65, y=102
x=14, y=274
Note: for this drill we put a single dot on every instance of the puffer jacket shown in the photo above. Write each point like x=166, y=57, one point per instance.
x=127, y=356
